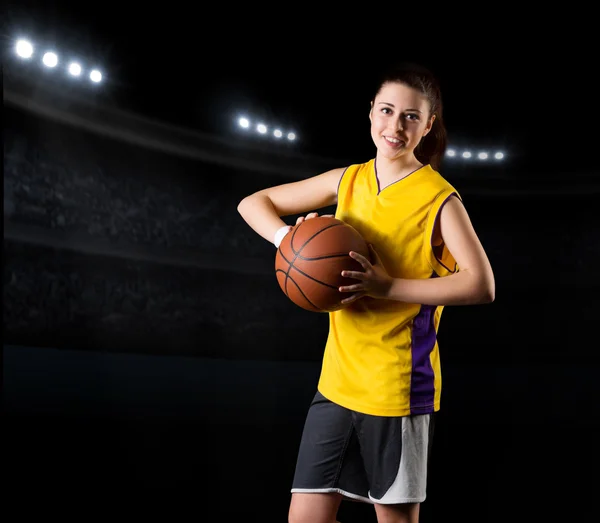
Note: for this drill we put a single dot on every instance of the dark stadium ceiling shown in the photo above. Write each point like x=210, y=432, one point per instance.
x=504, y=90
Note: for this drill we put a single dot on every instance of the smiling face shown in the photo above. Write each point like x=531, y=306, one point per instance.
x=400, y=117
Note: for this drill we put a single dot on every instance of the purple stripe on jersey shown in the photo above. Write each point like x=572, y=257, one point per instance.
x=422, y=388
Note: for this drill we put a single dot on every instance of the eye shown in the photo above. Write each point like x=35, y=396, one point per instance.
x=386, y=110
x=413, y=117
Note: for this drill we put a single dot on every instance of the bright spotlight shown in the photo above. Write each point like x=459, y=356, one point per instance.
x=277, y=133
x=50, y=59
x=291, y=136
x=261, y=128
x=466, y=154
x=482, y=156
x=244, y=122
x=95, y=76
x=499, y=156
x=451, y=152
x=24, y=49
x=75, y=69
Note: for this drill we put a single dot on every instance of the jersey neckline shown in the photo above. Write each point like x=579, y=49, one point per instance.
x=397, y=182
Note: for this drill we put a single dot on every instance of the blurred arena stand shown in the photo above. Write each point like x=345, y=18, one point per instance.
x=122, y=232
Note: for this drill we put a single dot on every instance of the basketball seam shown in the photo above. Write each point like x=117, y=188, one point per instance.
x=298, y=287
x=309, y=239
x=315, y=258
x=297, y=255
x=311, y=277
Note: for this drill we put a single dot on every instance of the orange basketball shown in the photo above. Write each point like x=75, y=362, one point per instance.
x=310, y=260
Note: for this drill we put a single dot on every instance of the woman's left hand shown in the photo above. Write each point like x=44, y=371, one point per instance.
x=374, y=281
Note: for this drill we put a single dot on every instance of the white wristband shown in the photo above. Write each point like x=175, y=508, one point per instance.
x=280, y=234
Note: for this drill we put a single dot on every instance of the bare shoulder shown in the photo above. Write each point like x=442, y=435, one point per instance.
x=458, y=233
x=454, y=209
x=455, y=220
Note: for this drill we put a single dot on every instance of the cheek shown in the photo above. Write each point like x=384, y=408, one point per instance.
x=377, y=124
x=417, y=130
x=373, y=125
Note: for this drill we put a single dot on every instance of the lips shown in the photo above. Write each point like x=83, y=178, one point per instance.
x=394, y=142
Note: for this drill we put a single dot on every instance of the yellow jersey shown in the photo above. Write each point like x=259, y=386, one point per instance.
x=381, y=356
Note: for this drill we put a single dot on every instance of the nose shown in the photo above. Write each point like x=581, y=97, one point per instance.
x=399, y=124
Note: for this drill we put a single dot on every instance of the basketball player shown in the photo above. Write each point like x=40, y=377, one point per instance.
x=368, y=430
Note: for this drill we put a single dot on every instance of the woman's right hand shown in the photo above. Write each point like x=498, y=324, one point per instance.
x=312, y=215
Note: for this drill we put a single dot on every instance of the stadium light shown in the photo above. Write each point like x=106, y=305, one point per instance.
x=467, y=154
x=24, y=49
x=74, y=69
x=50, y=59
x=96, y=76
x=264, y=129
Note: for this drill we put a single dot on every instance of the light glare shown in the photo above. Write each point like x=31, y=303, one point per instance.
x=75, y=69
x=24, y=49
x=50, y=59
x=95, y=76
x=264, y=129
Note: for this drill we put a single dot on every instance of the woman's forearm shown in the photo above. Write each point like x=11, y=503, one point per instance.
x=260, y=214
x=461, y=288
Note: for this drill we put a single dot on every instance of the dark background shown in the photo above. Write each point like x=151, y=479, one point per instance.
x=150, y=359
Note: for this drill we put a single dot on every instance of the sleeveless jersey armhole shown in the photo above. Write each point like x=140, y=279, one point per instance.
x=341, y=188
x=435, y=251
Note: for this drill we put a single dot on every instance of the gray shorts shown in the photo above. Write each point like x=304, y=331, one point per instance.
x=375, y=459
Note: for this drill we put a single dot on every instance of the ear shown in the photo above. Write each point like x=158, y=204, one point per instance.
x=429, y=126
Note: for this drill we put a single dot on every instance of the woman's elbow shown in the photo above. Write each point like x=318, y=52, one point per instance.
x=243, y=204
x=487, y=290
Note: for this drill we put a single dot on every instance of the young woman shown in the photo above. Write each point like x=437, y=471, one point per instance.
x=369, y=428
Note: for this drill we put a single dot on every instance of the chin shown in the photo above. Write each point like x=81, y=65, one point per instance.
x=394, y=155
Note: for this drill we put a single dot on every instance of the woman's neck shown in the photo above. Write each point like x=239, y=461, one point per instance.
x=396, y=169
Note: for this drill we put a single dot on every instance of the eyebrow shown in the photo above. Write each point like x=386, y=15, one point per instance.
x=392, y=105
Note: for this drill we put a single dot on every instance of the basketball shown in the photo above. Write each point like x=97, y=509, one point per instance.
x=310, y=260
